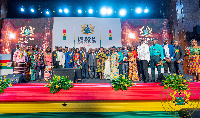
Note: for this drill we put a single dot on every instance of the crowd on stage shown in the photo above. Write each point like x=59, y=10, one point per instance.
x=107, y=63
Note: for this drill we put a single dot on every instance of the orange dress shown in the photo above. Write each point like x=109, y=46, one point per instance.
x=133, y=72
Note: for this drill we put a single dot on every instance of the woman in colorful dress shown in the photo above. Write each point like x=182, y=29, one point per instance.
x=40, y=64
x=76, y=59
x=114, y=72
x=194, y=59
x=107, y=65
x=48, y=64
x=101, y=63
x=27, y=69
x=34, y=52
x=19, y=58
x=132, y=56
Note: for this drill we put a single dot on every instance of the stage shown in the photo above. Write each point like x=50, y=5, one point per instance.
x=85, y=97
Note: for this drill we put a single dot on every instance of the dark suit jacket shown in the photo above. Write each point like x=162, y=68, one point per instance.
x=54, y=54
x=180, y=54
x=91, y=61
x=12, y=53
x=81, y=56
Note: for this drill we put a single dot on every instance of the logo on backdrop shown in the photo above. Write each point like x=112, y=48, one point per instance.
x=87, y=29
x=26, y=34
x=146, y=33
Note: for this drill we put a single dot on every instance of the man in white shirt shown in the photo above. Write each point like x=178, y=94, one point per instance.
x=60, y=55
x=144, y=57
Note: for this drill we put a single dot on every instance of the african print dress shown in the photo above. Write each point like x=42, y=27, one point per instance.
x=107, y=67
x=194, y=59
x=114, y=72
x=27, y=69
x=101, y=62
x=32, y=67
x=76, y=60
x=47, y=70
x=133, y=72
x=20, y=58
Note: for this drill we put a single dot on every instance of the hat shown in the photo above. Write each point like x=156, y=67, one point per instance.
x=153, y=39
x=165, y=39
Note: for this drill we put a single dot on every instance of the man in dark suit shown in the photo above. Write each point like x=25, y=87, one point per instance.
x=55, y=57
x=169, y=54
x=85, y=65
x=12, y=53
x=92, y=61
x=179, y=56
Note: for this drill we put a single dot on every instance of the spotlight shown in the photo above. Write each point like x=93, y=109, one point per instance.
x=146, y=10
x=109, y=11
x=60, y=10
x=47, y=12
x=32, y=10
x=103, y=11
x=12, y=36
x=138, y=10
x=90, y=11
x=22, y=9
x=66, y=10
x=79, y=11
x=122, y=12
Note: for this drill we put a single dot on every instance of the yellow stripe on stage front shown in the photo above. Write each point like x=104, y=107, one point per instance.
x=82, y=106
x=3, y=64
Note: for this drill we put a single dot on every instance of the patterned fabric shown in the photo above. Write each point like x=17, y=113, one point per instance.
x=33, y=68
x=27, y=69
x=47, y=73
x=101, y=62
x=107, y=67
x=19, y=56
x=133, y=72
x=48, y=58
x=114, y=72
x=76, y=60
x=194, y=59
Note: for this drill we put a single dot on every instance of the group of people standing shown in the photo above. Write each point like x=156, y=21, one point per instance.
x=103, y=63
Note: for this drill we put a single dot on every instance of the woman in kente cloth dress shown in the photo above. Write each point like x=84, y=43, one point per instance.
x=19, y=59
x=101, y=63
x=114, y=72
x=132, y=56
x=28, y=64
x=107, y=66
x=194, y=59
x=76, y=59
x=33, y=62
x=48, y=64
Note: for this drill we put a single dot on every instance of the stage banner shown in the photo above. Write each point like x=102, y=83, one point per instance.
x=27, y=32
x=135, y=29
x=86, y=32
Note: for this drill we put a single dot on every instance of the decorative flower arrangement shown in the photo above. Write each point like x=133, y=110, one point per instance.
x=179, y=85
x=121, y=83
x=4, y=84
x=59, y=83
x=176, y=51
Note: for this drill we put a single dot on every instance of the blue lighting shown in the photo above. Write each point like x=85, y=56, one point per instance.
x=146, y=10
x=90, y=11
x=66, y=11
x=60, y=10
x=22, y=9
x=47, y=12
x=32, y=10
x=122, y=12
x=79, y=11
x=138, y=10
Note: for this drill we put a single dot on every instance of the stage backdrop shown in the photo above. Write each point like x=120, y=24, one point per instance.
x=86, y=32
x=25, y=31
x=134, y=29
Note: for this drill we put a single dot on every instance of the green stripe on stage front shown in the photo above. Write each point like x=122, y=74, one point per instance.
x=5, y=67
x=128, y=114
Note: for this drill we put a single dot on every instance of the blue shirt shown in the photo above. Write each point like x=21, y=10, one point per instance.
x=156, y=50
x=120, y=56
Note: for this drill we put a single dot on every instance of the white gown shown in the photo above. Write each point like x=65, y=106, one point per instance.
x=107, y=68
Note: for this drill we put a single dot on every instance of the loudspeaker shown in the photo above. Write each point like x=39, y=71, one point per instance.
x=16, y=78
x=64, y=72
x=189, y=113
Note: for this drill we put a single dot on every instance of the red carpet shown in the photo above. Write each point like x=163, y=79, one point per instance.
x=87, y=91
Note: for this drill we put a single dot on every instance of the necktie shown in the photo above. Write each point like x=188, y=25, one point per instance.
x=93, y=55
